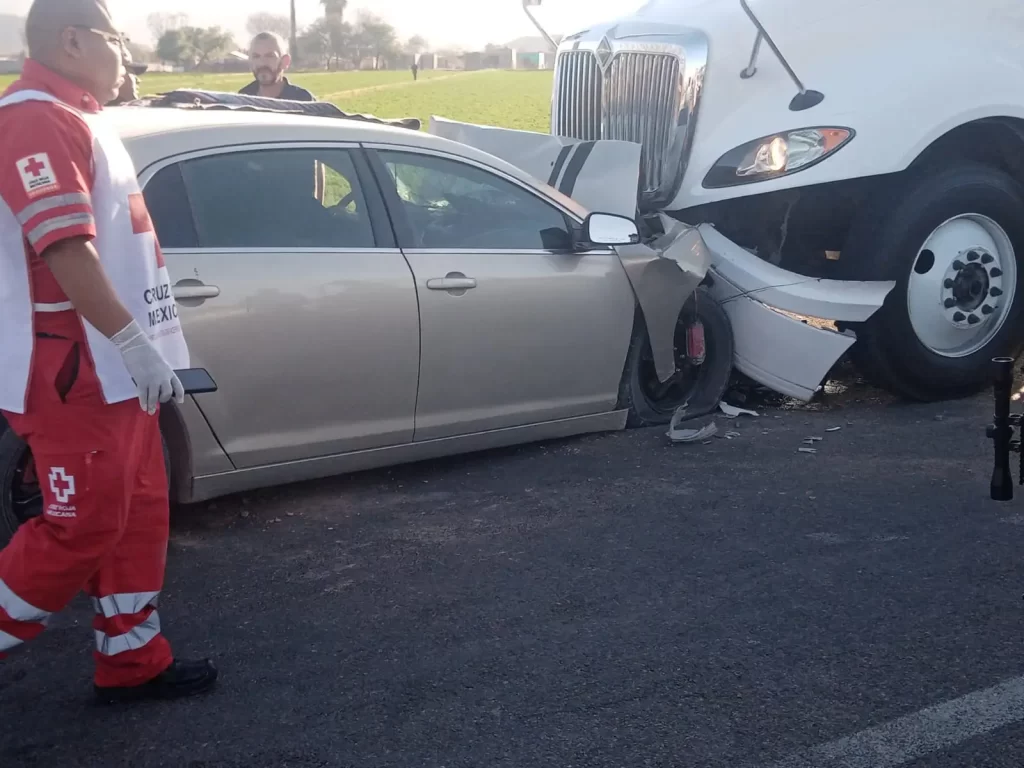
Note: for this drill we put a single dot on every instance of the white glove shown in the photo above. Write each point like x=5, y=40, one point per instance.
x=152, y=375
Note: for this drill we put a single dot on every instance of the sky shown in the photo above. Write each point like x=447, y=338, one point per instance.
x=466, y=23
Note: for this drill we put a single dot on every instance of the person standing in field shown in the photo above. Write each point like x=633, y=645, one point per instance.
x=269, y=59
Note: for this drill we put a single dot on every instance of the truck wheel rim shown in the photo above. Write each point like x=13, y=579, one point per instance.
x=962, y=285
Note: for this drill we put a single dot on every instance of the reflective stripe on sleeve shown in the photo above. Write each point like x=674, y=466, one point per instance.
x=60, y=222
x=60, y=306
x=124, y=604
x=19, y=609
x=50, y=203
x=132, y=640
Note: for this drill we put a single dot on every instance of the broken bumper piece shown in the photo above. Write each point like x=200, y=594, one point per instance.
x=782, y=322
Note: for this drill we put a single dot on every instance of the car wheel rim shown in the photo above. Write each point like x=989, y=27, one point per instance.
x=962, y=285
x=666, y=397
x=24, y=496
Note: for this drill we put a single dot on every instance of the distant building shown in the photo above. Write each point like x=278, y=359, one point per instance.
x=539, y=60
x=492, y=58
x=440, y=61
x=237, y=61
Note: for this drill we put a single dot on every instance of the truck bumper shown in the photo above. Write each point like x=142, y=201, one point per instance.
x=788, y=354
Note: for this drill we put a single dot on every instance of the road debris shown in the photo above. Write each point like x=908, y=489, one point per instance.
x=732, y=410
x=833, y=429
x=807, y=450
x=813, y=440
x=692, y=431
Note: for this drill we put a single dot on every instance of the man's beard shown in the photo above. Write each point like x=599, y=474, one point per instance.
x=273, y=74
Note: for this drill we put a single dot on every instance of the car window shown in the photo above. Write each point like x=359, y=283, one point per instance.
x=278, y=198
x=450, y=204
x=170, y=210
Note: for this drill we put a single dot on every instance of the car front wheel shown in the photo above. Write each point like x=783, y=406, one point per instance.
x=699, y=386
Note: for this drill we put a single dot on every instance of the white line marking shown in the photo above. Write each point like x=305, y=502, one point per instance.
x=914, y=736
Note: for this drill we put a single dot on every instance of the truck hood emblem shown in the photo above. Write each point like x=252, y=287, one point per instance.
x=604, y=53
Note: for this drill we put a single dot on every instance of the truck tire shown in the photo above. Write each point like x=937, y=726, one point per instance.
x=701, y=387
x=952, y=239
x=20, y=503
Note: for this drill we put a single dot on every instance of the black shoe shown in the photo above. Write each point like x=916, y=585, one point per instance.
x=182, y=678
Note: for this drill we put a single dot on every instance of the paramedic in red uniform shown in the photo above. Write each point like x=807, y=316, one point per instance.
x=89, y=341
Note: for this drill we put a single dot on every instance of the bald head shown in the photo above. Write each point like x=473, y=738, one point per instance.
x=79, y=40
x=47, y=19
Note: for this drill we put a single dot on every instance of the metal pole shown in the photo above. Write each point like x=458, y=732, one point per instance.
x=1002, y=482
x=295, y=35
x=526, y=8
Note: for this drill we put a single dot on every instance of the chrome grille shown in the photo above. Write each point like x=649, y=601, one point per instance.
x=578, y=96
x=642, y=95
x=647, y=93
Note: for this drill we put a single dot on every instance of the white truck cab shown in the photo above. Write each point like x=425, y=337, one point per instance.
x=866, y=142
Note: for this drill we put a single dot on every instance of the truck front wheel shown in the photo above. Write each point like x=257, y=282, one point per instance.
x=951, y=239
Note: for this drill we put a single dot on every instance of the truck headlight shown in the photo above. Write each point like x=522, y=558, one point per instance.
x=777, y=155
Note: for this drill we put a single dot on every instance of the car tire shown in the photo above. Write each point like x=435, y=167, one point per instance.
x=921, y=344
x=12, y=451
x=703, y=390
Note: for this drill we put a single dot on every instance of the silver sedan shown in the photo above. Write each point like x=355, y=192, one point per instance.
x=367, y=295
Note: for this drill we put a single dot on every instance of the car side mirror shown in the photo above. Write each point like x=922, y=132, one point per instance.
x=609, y=229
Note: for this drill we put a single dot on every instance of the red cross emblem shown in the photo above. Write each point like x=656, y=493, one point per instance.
x=61, y=484
x=34, y=167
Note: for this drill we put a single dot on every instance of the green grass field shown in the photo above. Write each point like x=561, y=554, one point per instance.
x=509, y=99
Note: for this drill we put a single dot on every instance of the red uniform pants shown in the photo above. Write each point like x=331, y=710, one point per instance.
x=104, y=525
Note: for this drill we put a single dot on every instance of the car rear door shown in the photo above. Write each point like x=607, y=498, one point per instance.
x=294, y=296
x=516, y=328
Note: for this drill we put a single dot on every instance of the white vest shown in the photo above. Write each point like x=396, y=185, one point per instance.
x=131, y=259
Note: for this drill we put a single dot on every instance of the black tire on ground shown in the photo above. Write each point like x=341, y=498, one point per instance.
x=12, y=450
x=883, y=244
x=707, y=383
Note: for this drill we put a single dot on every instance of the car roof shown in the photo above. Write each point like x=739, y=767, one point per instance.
x=153, y=134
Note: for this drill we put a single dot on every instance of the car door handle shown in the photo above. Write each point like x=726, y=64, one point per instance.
x=451, y=283
x=193, y=289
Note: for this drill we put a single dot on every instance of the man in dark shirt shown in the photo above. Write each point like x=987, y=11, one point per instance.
x=269, y=58
x=130, y=87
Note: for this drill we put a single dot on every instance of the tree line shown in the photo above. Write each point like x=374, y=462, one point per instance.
x=329, y=42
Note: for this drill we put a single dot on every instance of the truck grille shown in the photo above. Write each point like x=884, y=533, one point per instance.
x=639, y=98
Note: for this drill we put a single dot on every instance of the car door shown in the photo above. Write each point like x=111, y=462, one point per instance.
x=294, y=296
x=516, y=328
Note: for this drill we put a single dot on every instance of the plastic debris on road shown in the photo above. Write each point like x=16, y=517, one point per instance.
x=732, y=410
x=692, y=431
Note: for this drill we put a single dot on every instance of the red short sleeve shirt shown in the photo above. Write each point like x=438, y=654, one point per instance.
x=47, y=170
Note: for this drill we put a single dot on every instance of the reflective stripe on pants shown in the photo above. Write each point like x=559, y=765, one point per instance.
x=137, y=637
x=124, y=604
x=21, y=617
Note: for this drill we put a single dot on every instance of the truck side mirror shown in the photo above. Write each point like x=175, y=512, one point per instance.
x=609, y=229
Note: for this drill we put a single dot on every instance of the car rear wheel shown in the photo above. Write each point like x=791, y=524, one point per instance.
x=700, y=386
x=20, y=496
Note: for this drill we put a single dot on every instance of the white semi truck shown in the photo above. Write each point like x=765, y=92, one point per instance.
x=871, y=143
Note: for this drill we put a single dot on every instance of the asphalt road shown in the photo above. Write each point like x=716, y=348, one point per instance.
x=608, y=601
